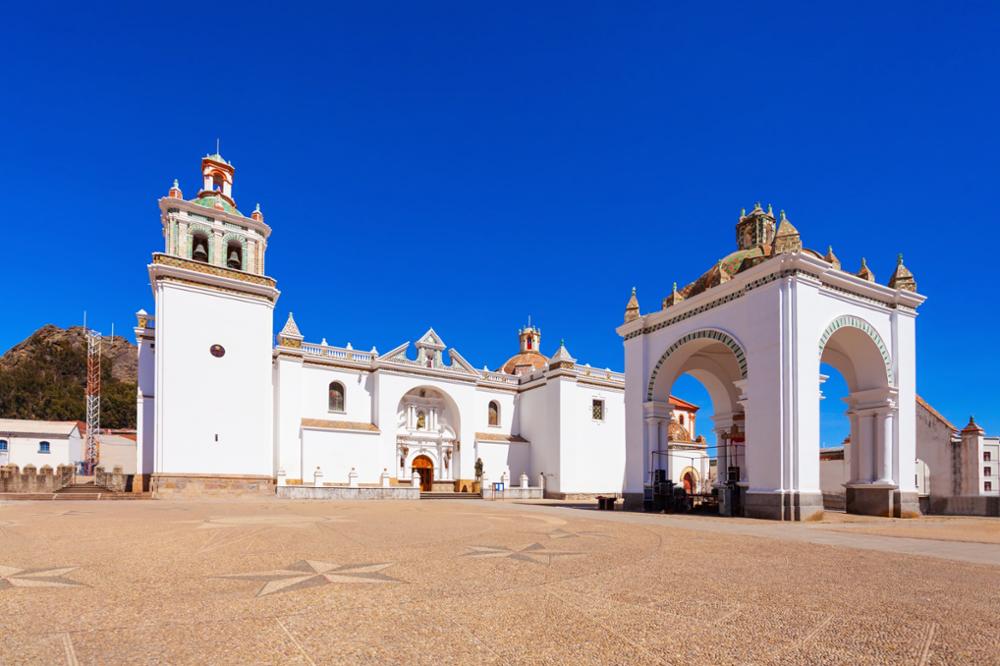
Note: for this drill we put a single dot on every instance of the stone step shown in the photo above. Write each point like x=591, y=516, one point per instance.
x=449, y=495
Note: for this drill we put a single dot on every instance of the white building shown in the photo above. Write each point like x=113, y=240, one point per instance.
x=39, y=443
x=754, y=329
x=221, y=408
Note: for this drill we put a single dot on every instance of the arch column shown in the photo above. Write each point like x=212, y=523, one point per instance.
x=872, y=489
x=656, y=419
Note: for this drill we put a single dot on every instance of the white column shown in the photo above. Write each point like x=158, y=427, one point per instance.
x=649, y=461
x=866, y=447
x=721, y=456
x=854, y=474
x=884, y=423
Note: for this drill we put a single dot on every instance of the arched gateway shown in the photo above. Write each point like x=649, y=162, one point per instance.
x=748, y=329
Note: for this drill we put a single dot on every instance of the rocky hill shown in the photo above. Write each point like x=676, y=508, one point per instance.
x=44, y=377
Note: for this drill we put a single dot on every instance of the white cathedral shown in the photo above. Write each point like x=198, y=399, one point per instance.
x=223, y=409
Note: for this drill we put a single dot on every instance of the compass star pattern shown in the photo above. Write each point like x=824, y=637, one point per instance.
x=14, y=577
x=536, y=553
x=312, y=573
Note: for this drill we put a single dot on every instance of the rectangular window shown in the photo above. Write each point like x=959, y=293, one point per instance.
x=3, y=444
x=597, y=410
x=987, y=471
x=44, y=447
x=986, y=456
x=988, y=486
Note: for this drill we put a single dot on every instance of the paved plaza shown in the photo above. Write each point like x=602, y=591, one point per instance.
x=477, y=582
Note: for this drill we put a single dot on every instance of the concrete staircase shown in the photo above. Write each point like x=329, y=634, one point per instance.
x=436, y=495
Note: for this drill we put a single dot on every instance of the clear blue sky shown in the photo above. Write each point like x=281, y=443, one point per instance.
x=464, y=165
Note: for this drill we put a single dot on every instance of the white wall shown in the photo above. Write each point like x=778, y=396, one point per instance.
x=22, y=451
x=213, y=414
x=499, y=457
x=592, y=458
x=336, y=452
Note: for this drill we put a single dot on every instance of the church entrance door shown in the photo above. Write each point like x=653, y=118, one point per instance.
x=423, y=466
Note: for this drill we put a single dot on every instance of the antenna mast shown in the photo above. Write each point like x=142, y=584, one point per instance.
x=92, y=454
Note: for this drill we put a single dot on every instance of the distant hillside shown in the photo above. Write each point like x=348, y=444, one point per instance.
x=44, y=377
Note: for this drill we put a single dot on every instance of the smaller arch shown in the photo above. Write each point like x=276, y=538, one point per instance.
x=336, y=397
x=493, y=413
x=708, y=334
x=234, y=243
x=690, y=479
x=200, y=244
x=866, y=328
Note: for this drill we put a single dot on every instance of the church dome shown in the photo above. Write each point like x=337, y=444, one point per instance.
x=678, y=433
x=529, y=359
x=525, y=363
x=210, y=199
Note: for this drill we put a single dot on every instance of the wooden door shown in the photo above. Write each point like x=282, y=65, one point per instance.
x=423, y=466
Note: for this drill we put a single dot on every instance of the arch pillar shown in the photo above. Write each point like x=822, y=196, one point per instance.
x=656, y=419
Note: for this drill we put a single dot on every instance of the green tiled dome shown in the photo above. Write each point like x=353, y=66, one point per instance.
x=209, y=200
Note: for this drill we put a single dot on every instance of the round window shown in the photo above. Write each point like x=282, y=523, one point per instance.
x=218, y=351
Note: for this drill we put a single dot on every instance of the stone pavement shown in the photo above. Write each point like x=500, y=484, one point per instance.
x=274, y=581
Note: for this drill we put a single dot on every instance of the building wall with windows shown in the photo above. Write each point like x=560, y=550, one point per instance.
x=24, y=442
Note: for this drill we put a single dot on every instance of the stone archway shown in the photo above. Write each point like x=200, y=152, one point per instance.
x=424, y=466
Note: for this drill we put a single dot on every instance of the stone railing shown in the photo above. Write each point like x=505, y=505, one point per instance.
x=340, y=353
x=113, y=481
x=500, y=378
x=34, y=480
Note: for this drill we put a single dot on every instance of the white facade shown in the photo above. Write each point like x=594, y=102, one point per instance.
x=39, y=443
x=217, y=400
x=754, y=330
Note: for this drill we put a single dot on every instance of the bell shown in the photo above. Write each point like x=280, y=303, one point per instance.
x=199, y=253
x=234, y=260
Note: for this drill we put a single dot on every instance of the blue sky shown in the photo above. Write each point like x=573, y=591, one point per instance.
x=463, y=165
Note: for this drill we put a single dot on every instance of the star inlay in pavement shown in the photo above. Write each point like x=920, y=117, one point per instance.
x=14, y=577
x=536, y=553
x=311, y=573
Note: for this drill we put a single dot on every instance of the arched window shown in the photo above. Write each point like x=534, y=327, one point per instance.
x=421, y=420
x=336, y=397
x=494, y=413
x=218, y=181
x=234, y=255
x=3, y=444
x=682, y=419
x=44, y=447
x=199, y=246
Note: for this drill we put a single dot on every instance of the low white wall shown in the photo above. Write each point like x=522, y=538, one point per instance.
x=340, y=493
x=22, y=451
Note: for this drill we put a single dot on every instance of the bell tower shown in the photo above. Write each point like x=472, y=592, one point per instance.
x=210, y=413
x=530, y=337
x=755, y=228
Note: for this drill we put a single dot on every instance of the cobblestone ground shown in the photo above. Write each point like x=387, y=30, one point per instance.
x=484, y=583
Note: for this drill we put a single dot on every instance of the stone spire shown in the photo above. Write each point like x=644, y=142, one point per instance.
x=972, y=426
x=562, y=358
x=290, y=336
x=865, y=273
x=831, y=257
x=632, y=308
x=175, y=191
x=674, y=298
x=787, y=238
x=902, y=278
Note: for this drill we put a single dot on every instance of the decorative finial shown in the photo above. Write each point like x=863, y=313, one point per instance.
x=217, y=143
x=675, y=285
x=562, y=342
x=769, y=211
x=899, y=259
x=176, y=184
x=633, y=291
x=864, y=263
x=743, y=212
x=783, y=214
x=257, y=209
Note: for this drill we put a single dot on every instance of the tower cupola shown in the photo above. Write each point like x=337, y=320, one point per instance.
x=755, y=228
x=217, y=177
x=530, y=337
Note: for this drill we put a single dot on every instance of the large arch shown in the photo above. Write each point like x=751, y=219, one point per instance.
x=718, y=361
x=855, y=349
x=858, y=324
x=428, y=425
